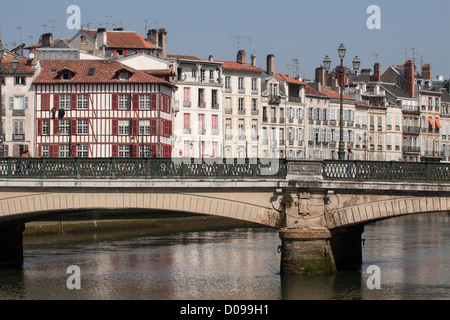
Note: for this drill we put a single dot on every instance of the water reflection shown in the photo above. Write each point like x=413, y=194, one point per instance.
x=242, y=263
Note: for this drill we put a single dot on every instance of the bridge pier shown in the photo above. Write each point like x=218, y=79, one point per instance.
x=306, y=251
x=11, y=245
x=347, y=247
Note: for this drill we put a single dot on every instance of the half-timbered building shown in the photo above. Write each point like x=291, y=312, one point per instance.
x=101, y=108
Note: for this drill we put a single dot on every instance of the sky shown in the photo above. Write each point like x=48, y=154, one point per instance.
x=292, y=30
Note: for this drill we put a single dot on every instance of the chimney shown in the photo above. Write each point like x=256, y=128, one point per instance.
x=211, y=58
x=162, y=42
x=271, y=64
x=46, y=39
x=253, y=60
x=338, y=77
x=377, y=72
x=241, y=57
x=409, y=73
x=426, y=72
x=320, y=76
x=102, y=38
x=152, y=36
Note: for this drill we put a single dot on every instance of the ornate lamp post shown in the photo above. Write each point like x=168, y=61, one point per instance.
x=341, y=69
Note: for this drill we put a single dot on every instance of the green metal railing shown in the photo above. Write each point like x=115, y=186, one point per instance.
x=386, y=171
x=115, y=168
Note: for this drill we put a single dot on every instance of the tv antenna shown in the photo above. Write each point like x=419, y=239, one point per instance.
x=238, y=40
x=376, y=57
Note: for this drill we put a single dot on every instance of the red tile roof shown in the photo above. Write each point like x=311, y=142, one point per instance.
x=39, y=45
x=312, y=91
x=289, y=79
x=24, y=65
x=125, y=39
x=105, y=72
x=334, y=94
x=233, y=65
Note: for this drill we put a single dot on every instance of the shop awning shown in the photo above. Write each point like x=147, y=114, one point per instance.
x=430, y=120
x=438, y=124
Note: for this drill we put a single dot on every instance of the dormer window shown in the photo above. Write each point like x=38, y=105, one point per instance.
x=66, y=74
x=124, y=75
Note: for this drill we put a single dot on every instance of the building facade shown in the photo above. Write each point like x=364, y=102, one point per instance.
x=101, y=108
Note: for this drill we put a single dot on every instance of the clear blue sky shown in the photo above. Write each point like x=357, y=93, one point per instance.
x=289, y=29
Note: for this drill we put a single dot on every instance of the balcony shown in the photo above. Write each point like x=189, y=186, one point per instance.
x=274, y=99
x=409, y=149
x=228, y=111
x=18, y=137
x=411, y=110
x=273, y=119
x=411, y=130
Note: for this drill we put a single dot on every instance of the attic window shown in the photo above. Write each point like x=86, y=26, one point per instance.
x=123, y=75
x=53, y=70
x=66, y=75
x=91, y=72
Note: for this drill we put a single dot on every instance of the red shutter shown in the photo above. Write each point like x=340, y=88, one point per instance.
x=115, y=150
x=134, y=127
x=39, y=127
x=153, y=101
x=115, y=127
x=153, y=150
x=45, y=101
x=54, y=151
x=39, y=151
x=135, y=102
x=115, y=101
x=169, y=128
x=133, y=151
x=56, y=126
x=73, y=127
x=73, y=150
x=153, y=128
x=73, y=101
x=56, y=101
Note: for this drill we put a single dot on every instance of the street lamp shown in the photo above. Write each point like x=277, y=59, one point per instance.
x=327, y=64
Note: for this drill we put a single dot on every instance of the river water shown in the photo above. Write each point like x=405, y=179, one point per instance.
x=411, y=252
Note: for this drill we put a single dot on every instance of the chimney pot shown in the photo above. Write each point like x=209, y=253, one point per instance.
x=242, y=57
x=271, y=64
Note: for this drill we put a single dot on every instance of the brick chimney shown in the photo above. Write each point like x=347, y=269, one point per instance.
x=46, y=39
x=338, y=77
x=377, y=72
x=271, y=64
x=241, y=57
x=253, y=60
x=426, y=72
x=409, y=74
x=162, y=42
x=320, y=76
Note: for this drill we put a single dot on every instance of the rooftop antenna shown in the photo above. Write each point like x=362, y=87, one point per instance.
x=107, y=22
x=295, y=67
x=250, y=42
x=376, y=57
x=237, y=39
x=53, y=25
x=20, y=33
x=31, y=38
x=414, y=55
x=146, y=25
x=156, y=24
x=45, y=28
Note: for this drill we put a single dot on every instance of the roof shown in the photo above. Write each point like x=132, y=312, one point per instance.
x=105, y=72
x=289, y=79
x=124, y=39
x=54, y=41
x=24, y=65
x=233, y=65
x=314, y=92
x=334, y=94
x=395, y=91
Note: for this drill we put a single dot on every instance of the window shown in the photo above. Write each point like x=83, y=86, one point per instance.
x=227, y=83
x=124, y=151
x=254, y=85
x=20, y=81
x=144, y=127
x=187, y=95
x=82, y=151
x=18, y=103
x=254, y=105
x=124, y=75
x=201, y=97
x=144, y=102
x=201, y=122
x=241, y=105
x=18, y=126
x=124, y=102
x=214, y=120
x=186, y=121
x=82, y=126
x=144, y=151
x=45, y=151
x=215, y=149
x=64, y=101
x=124, y=127
x=82, y=101
x=241, y=84
x=64, y=151
x=241, y=126
x=46, y=127
x=64, y=127
x=187, y=149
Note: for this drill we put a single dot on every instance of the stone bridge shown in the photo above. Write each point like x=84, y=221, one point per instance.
x=319, y=207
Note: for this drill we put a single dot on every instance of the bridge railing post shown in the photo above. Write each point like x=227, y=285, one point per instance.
x=44, y=168
x=9, y=168
x=78, y=167
x=148, y=173
x=113, y=168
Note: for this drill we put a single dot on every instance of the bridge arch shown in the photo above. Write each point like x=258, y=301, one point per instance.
x=371, y=211
x=29, y=207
